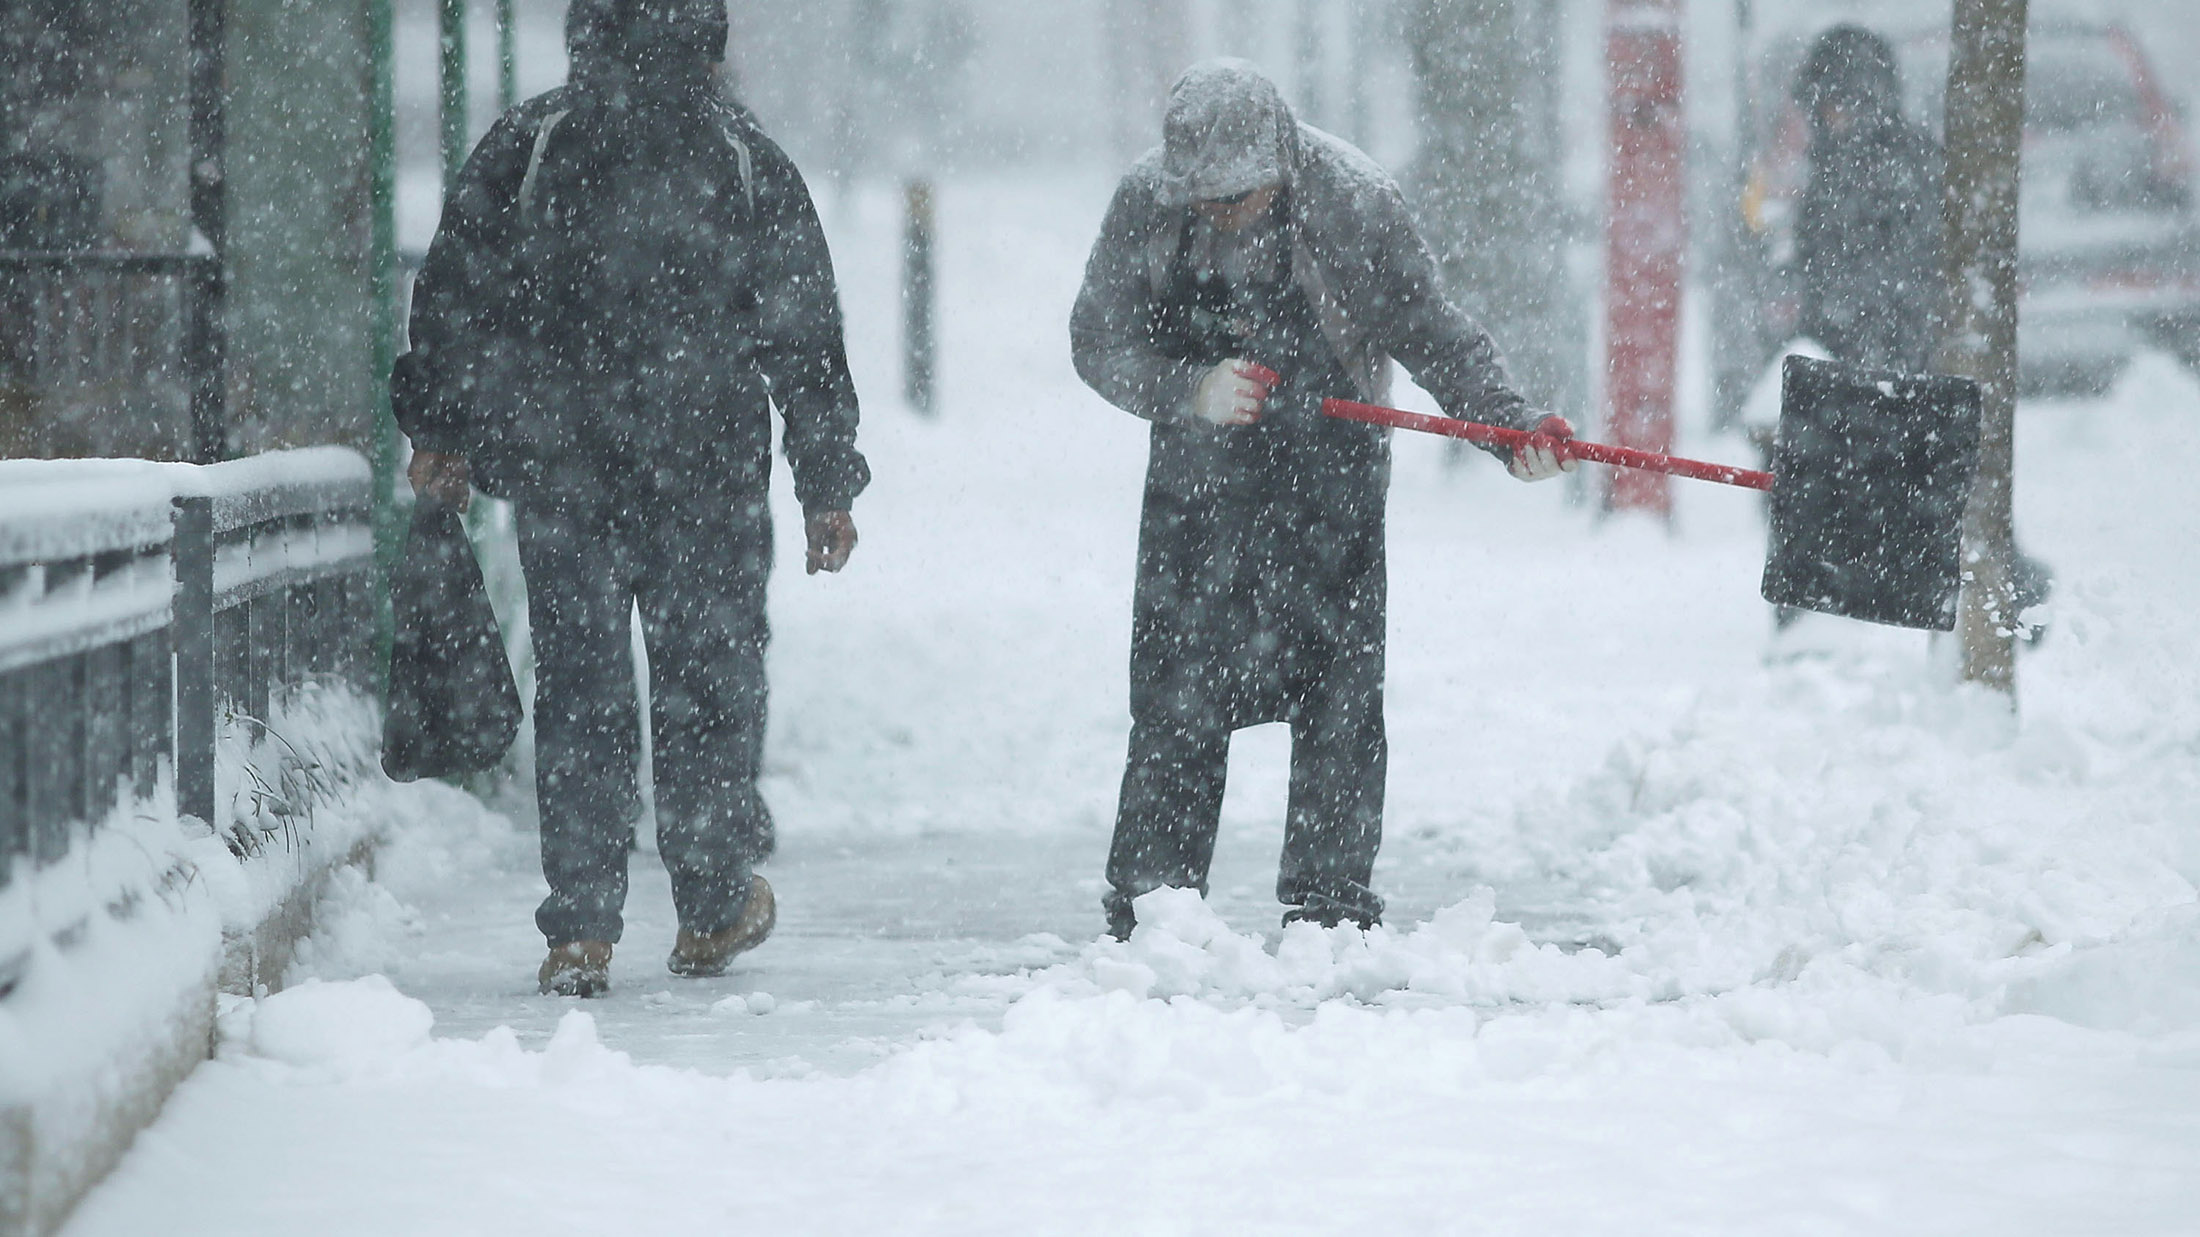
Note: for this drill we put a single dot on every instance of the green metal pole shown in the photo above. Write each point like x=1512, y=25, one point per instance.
x=507, y=57
x=451, y=21
x=382, y=265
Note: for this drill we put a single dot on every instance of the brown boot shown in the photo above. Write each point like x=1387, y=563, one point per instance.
x=582, y=968
x=702, y=957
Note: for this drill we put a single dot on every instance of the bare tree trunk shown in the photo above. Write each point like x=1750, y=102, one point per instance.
x=1486, y=182
x=1985, y=140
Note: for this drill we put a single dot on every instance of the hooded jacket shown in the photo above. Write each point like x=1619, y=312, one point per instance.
x=627, y=276
x=1868, y=227
x=1262, y=578
x=1355, y=252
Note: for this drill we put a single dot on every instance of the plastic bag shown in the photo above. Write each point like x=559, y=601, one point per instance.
x=453, y=707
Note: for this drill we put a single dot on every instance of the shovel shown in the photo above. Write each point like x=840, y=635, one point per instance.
x=1870, y=474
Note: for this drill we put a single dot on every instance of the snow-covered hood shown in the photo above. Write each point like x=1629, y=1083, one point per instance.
x=1227, y=131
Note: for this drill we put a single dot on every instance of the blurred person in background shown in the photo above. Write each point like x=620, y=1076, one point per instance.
x=627, y=276
x=1868, y=228
x=1869, y=232
x=1247, y=269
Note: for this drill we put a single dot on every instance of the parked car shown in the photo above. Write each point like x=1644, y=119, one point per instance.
x=2110, y=229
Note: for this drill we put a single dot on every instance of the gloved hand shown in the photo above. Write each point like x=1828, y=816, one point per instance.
x=1544, y=455
x=1231, y=393
x=832, y=538
x=442, y=477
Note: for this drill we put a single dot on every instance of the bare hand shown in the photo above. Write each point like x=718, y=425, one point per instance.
x=1544, y=455
x=441, y=477
x=832, y=539
x=1232, y=392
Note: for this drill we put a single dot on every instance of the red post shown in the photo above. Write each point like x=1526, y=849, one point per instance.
x=1646, y=240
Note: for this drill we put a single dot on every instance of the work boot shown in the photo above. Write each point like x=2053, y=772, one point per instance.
x=582, y=968
x=700, y=956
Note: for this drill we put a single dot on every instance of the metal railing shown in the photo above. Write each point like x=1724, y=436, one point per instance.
x=141, y=606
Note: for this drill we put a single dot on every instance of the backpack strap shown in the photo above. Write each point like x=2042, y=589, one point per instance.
x=748, y=169
x=743, y=155
x=534, y=158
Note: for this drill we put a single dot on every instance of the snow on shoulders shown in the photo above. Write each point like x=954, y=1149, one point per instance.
x=1352, y=166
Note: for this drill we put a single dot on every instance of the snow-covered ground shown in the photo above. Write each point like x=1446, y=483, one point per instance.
x=1682, y=940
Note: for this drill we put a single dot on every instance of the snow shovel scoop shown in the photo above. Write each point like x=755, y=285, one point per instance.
x=1870, y=474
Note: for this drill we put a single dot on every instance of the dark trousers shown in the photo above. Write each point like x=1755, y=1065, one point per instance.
x=699, y=586
x=1171, y=807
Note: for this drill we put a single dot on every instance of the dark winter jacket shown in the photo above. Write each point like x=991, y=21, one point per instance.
x=628, y=275
x=1868, y=231
x=1261, y=576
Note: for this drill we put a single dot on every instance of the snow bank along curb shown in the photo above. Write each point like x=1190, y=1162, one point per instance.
x=187, y=750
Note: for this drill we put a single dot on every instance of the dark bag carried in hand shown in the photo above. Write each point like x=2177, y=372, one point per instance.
x=453, y=707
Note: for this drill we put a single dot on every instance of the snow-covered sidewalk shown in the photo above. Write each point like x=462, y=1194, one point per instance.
x=1681, y=941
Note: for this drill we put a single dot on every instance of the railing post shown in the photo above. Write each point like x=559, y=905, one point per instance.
x=193, y=625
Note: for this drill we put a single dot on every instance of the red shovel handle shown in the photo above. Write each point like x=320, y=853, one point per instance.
x=1594, y=452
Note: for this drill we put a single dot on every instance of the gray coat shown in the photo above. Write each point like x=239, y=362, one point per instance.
x=1356, y=254
x=1262, y=580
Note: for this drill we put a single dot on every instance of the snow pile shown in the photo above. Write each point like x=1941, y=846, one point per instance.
x=123, y=930
x=1110, y=1114
x=127, y=929
x=295, y=794
x=1824, y=863
x=1461, y=955
x=336, y=1025
x=1822, y=857
x=433, y=838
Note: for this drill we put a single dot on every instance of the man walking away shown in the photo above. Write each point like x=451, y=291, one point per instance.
x=627, y=277
x=1246, y=270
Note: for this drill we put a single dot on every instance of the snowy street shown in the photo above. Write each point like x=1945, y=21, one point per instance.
x=1682, y=937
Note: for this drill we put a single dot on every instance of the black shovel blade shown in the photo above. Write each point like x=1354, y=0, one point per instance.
x=1873, y=473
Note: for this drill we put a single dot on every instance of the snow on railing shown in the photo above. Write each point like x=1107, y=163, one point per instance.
x=144, y=606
